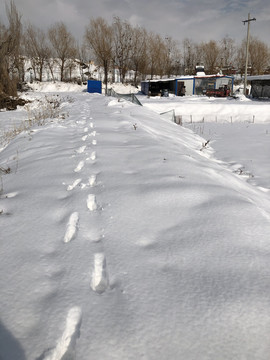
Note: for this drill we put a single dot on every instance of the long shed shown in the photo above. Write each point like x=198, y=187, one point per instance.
x=194, y=85
x=260, y=86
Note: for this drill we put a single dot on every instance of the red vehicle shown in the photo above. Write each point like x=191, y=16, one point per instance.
x=220, y=92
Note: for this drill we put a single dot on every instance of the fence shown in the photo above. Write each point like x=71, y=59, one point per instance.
x=220, y=118
x=170, y=115
x=128, y=97
x=201, y=118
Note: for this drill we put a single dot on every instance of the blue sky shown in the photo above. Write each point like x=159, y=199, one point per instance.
x=202, y=20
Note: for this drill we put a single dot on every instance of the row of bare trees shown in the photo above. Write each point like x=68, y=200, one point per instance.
x=57, y=47
x=124, y=47
x=227, y=56
x=45, y=50
x=118, y=45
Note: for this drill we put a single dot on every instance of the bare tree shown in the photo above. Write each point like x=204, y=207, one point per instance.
x=51, y=63
x=172, y=56
x=138, y=57
x=227, y=55
x=98, y=36
x=11, y=63
x=83, y=60
x=122, y=46
x=37, y=49
x=241, y=57
x=63, y=45
x=157, y=55
x=192, y=56
x=259, y=56
x=16, y=61
x=211, y=53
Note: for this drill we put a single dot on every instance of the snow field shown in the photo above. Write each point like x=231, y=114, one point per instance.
x=125, y=244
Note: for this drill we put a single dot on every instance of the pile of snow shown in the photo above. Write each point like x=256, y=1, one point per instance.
x=56, y=86
x=124, y=88
x=211, y=109
x=123, y=237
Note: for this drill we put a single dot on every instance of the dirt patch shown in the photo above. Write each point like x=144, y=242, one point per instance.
x=11, y=103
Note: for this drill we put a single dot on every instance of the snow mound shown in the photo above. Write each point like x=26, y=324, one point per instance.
x=56, y=86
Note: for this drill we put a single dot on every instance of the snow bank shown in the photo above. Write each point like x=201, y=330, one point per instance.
x=56, y=86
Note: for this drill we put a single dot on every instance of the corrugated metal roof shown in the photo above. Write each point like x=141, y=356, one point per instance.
x=258, y=77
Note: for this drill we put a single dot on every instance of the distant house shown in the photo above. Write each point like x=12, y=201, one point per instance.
x=193, y=85
x=260, y=86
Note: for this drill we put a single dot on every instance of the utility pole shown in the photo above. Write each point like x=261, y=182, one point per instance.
x=247, y=49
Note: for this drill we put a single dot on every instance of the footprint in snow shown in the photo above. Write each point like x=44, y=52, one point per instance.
x=93, y=133
x=91, y=202
x=94, y=142
x=85, y=129
x=91, y=125
x=84, y=137
x=71, y=227
x=65, y=348
x=93, y=155
x=9, y=195
x=95, y=235
x=99, y=279
x=79, y=166
x=81, y=149
x=76, y=182
x=81, y=122
x=92, y=180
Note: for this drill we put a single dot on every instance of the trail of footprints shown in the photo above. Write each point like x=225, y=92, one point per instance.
x=98, y=279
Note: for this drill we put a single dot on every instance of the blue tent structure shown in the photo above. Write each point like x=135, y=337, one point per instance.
x=94, y=86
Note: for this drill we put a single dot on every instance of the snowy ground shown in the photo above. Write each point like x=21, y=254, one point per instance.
x=122, y=237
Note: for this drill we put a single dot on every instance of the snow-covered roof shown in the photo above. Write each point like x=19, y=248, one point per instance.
x=189, y=77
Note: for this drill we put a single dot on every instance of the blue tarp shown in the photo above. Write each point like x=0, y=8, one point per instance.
x=94, y=86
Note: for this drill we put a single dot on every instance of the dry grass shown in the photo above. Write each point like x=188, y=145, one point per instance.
x=49, y=108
